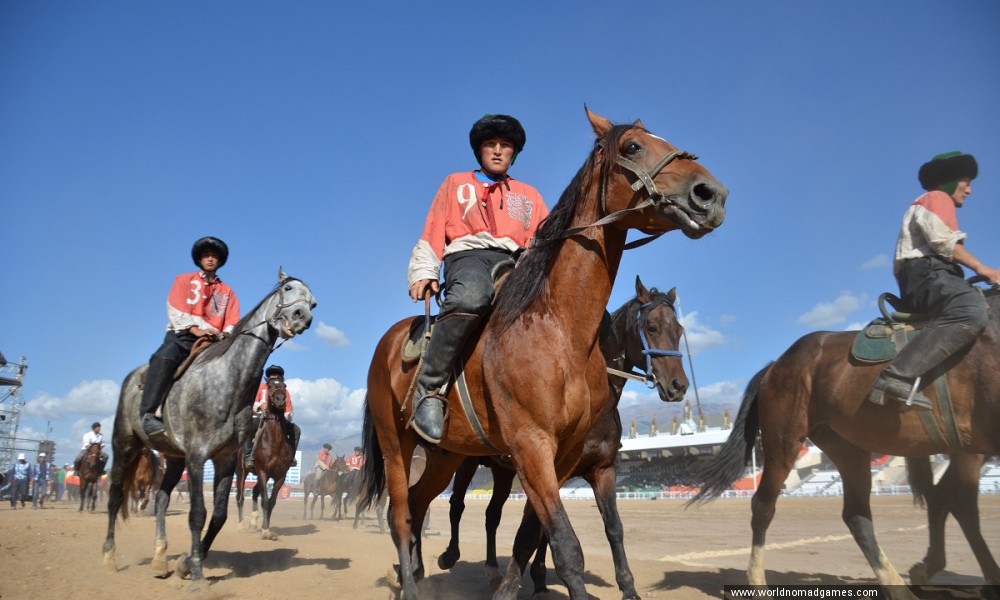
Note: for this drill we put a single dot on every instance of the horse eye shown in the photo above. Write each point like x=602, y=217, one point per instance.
x=632, y=148
x=654, y=329
x=288, y=288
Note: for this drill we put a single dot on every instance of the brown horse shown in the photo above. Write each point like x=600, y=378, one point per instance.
x=536, y=375
x=643, y=333
x=90, y=474
x=817, y=390
x=956, y=493
x=148, y=475
x=274, y=452
x=327, y=483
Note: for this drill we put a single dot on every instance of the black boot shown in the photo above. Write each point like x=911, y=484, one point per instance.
x=159, y=380
x=296, y=434
x=932, y=347
x=248, y=462
x=447, y=340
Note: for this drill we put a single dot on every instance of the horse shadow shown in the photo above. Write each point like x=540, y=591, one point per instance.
x=295, y=530
x=246, y=564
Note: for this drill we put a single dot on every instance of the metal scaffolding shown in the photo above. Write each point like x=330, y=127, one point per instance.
x=11, y=403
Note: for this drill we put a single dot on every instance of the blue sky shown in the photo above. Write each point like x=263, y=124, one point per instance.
x=313, y=135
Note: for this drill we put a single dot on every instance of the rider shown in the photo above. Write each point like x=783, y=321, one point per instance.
x=357, y=460
x=929, y=252
x=94, y=436
x=477, y=220
x=199, y=305
x=274, y=374
x=324, y=461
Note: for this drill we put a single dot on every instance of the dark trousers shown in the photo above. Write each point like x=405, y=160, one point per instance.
x=933, y=286
x=175, y=346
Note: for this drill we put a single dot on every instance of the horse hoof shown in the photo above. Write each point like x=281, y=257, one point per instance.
x=447, y=560
x=918, y=574
x=493, y=575
x=392, y=577
x=267, y=535
x=109, y=564
x=183, y=568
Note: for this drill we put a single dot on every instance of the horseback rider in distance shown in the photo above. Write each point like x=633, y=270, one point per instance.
x=275, y=375
x=930, y=253
x=199, y=305
x=477, y=219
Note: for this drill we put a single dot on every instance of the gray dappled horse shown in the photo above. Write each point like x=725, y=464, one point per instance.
x=201, y=418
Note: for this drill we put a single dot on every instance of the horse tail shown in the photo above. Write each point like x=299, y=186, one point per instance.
x=727, y=466
x=918, y=470
x=374, y=469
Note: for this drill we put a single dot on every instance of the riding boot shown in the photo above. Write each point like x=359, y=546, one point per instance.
x=447, y=340
x=159, y=380
x=296, y=434
x=932, y=347
x=248, y=462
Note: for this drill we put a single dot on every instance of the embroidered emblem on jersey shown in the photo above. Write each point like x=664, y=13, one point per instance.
x=466, y=196
x=217, y=305
x=519, y=208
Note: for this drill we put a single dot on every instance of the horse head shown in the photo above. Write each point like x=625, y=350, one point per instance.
x=293, y=306
x=277, y=394
x=663, y=187
x=652, y=341
x=339, y=465
x=93, y=453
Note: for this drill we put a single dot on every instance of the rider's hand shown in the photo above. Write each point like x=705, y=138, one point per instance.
x=199, y=332
x=993, y=275
x=419, y=288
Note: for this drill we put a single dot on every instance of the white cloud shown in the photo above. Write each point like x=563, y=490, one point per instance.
x=856, y=326
x=331, y=335
x=826, y=314
x=700, y=337
x=94, y=398
x=882, y=261
x=326, y=410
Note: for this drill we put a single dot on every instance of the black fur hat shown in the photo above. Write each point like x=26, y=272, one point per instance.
x=947, y=167
x=496, y=126
x=274, y=370
x=328, y=446
x=207, y=244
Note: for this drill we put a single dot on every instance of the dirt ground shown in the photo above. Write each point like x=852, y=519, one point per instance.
x=685, y=554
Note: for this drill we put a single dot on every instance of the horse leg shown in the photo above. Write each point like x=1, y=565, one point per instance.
x=963, y=490
x=397, y=468
x=602, y=480
x=125, y=454
x=939, y=505
x=379, y=509
x=503, y=481
x=537, y=570
x=175, y=468
x=463, y=476
x=267, y=505
x=778, y=462
x=526, y=541
x=258, y=489
x=241, y=482
x=853, y=464
x=431, y=483
x=220, y=511
x=538, y=473
x=190, y=564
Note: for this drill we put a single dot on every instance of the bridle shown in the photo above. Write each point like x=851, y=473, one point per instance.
x=644, y=178
x=648, y=377
x=274, y=318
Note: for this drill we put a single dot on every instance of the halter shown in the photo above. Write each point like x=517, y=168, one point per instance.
x=644, y=179
x=274, y=316
x=648, y=376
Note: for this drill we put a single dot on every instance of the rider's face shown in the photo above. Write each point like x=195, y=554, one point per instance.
x=210, y=261
x=496, y=155
x=962, y=190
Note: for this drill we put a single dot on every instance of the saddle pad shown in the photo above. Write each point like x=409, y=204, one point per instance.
x=880, y=340
x=416, y=342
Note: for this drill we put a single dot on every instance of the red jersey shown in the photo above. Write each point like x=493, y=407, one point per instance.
x=260, y=402
x=469, y=214
x=355, y=462
x=324, y=458
x=197, y=302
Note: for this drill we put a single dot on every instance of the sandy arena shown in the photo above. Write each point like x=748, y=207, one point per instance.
x=685, y=554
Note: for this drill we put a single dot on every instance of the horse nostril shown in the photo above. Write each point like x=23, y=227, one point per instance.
x=298, y=315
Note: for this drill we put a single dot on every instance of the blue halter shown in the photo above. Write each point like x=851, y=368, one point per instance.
x=648, y=352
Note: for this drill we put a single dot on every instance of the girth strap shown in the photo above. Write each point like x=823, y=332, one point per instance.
x=470, y=412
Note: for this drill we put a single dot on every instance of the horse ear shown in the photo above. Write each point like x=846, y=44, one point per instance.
x=281, y=274
x=641, y=293
x=599, y=123
x=638, y=124
x=672, y=295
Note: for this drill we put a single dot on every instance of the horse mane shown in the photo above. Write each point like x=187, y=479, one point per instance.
x=217, y=349
x=526, y=281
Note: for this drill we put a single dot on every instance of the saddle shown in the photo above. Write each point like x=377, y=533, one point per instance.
x=199, y=346
x=885, y=336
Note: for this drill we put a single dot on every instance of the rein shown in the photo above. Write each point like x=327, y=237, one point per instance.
x=648, y=377
x=644, y=179
x=274, y=317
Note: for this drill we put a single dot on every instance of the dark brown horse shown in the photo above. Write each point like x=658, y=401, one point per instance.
x=957, y=493
x=90, y=474
x=816, y=390
x=148, y=475
x=274, y=451
x=536, y=375
x=643, y=333
x=326, y=483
